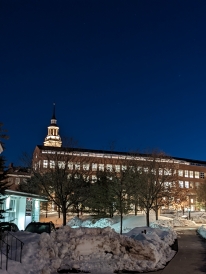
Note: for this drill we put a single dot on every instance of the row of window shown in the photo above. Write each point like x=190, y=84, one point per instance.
x=190, y=174
x=117, y=168
x=187, y=184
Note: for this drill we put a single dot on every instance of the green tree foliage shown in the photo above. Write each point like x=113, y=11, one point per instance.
x=101, y=201
x=3, y=183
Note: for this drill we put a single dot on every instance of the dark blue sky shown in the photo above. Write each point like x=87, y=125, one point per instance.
x=129, y=72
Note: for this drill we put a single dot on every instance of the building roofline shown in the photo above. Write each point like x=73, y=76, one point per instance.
x=41, y=147
x=25, y=194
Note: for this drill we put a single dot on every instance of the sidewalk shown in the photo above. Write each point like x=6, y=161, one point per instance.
x=191, y=257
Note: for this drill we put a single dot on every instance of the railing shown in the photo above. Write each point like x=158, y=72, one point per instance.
x=11, y=247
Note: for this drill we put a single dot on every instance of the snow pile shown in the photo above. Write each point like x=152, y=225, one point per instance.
x=202, y=231
x=200, y=219
x=77, y=222
x=95, y=250
x=170, y=223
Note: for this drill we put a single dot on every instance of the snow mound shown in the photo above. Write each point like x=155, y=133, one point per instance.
x=75, y=222
x=202, y=231
x=103, y=222
x=97, y=249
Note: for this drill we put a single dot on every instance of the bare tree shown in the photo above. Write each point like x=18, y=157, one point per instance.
x=157, y=175
x=62, y=181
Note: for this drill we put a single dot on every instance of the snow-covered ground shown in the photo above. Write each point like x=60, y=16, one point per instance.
x=97, y=247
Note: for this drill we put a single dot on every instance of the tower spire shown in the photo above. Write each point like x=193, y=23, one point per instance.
x=53, y=116
x=53, y=138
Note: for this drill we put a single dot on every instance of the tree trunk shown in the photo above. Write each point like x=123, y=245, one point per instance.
x=147, y=216
x=135, y=209
x=121, y=222
x=64, y=215
x=156, y=213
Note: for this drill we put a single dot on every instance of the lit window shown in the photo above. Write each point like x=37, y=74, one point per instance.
x=94, y=178
x=117, y=168
x=70, y=165
x=61, y=164
x=191, y=201
x=86, y=178
x=69, y=176
x=167, y=172
x=94, y=166
x=191, y=174
x=180, y=172
x=17, y=181
x=85, y=166
x=186, y=184
x=186, y=173
x=45, y=163
x=191, y=184
x=124, y=168
x=181, y=184
x=101, y=167
x=109, y=167
x=77, y=166
x=52, y=164
x=202, y=175
x=160, y=171
x=197, y=174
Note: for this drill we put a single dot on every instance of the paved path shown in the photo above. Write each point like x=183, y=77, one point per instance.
x=191, y=257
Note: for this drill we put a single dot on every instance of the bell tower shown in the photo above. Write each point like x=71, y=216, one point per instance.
x=53, y=138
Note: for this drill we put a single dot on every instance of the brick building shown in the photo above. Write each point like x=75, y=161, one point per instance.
x=190, y=173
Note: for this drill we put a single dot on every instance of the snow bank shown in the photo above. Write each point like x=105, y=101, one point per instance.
x=202, y=231
x=95, y=250
x=170, y=223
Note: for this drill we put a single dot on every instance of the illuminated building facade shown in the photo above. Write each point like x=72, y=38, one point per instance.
x=190, y=173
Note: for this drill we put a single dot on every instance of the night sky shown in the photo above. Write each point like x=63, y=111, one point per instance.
x=127, y=75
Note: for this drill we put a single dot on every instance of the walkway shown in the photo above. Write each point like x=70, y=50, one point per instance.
x=191, y=257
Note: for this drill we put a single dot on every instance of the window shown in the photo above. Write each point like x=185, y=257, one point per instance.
x=77, y=166
x=197, y=174
x=94, y=178
x=70, y=165
x=186, y=173
x=17, y=181
x=202, y=175
x=180, y=172
x=160, y=171
x=181, y=184
x=86, y=178
x=124, y=168
x=109, y=167
x=69, y=176
x=191, y=184
x=101, y=167
x=117, y=168
x=52, y=164
x=167, y=172
x=197, y=184
x=191, y=201
x=85, y=166
x=45, y=164
x=186, y=184
x=191, y=174
x=61, y=164
x=94, y=166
